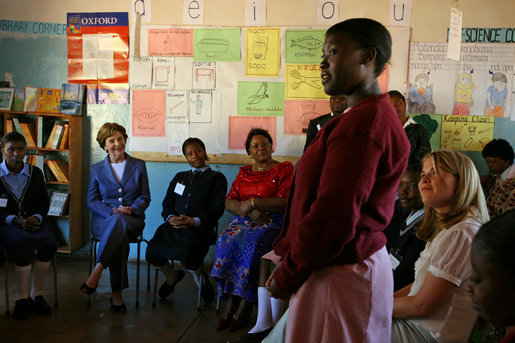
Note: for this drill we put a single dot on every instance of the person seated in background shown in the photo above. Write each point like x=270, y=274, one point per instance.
x=24, y=229
x=338, y=105
x=257, y=199
x=499, y=185
x=401, y=242
x=436, y=307
x=118, y=196
x=191, y=208
x=417, y=134
x=493, y=276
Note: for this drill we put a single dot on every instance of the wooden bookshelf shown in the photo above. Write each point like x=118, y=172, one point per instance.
x=43, y=124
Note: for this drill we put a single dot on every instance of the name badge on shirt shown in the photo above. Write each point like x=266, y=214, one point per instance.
x=395, y=262
x=179, y=188
x=3, y=202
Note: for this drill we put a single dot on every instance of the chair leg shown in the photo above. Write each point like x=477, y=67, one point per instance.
x=92, y=258
x=199, y=293
x=137, y=274
x=7, y=310
x=148, y=276
x=218, y=303
x=155, y=289
x=55, y=282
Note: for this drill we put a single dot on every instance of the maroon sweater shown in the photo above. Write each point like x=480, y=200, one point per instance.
x=343, y=192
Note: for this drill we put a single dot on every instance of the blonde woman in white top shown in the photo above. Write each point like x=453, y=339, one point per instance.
x=436, y=306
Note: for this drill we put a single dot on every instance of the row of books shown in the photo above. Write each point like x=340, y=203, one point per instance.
x=59, y=137
x=67, y=100
x=58, y=203
x=54, y=170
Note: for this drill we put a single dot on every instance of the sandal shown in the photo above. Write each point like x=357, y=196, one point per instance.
x=118, y=308
x=88, y=290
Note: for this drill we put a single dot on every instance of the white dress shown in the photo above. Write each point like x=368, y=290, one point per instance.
x=448, y=257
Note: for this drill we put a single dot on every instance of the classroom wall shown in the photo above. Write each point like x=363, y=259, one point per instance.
x=40, y=60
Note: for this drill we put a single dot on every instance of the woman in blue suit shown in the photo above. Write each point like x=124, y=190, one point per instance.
x=118, y=196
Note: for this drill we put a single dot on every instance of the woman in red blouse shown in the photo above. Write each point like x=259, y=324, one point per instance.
x=257, y=199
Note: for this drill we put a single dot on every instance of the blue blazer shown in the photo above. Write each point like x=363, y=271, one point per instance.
x=105, y=192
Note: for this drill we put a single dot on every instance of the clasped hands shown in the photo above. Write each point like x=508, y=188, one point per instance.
x=181, y=222
x=248, y=210
x=122, y=209
x=30, y=224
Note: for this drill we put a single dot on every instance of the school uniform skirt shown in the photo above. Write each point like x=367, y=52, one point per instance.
x=14, y=238
x=344, y=303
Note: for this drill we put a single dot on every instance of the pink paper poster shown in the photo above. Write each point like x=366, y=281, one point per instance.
x=298, y=113
x=170, y=42
x=239, y=127
x=148, y=113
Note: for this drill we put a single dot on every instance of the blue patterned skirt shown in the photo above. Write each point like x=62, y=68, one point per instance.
x=238, y=251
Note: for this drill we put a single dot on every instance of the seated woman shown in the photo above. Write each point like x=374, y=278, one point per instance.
x=191, y=208
x=401, y=242
x=499, y=186
x=436, y=306
x=493, y=275
x=257, y=199
x=118, y=196
x=24, y=230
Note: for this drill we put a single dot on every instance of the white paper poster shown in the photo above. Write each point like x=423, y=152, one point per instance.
x=163, y=72
x=193, y=12
x=98, y=56
x=204, y=75
x=200, y=106
x=176, y=133
x=143, y=7
x=177, y=106
x=454, y=43
x=255, y=13
x=400, y=12
x=479, y=84
x=327, y=12
x=140, y=72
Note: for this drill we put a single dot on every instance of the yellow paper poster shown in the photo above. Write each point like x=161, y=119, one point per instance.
x=263, y=52
x=470, y=133
x=303, y=81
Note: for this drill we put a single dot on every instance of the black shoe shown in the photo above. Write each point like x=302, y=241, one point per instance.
x=22, y=309
x=254, y=337
x=41, y=306
x=118, y=308
x=166, y=289
x=207, y=292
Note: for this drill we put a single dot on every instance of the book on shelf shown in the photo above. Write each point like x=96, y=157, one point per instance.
x=19, y=97
x=47, y=173
x=72, y=96
x=27, y=129
x=60, y=170
x=6, y=98
x=64, y=143
x=48, y=100
x=9, y=126
x=31, y=98
x=56, y=134
x=58, y=202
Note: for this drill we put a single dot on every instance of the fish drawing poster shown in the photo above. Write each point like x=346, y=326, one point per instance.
x=260, y=98
x=304, y=46
x=148, y=113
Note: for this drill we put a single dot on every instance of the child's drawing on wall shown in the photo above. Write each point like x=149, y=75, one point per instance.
x=463, y=95
x=421, y=95
x=198, y=104
x=496, y=95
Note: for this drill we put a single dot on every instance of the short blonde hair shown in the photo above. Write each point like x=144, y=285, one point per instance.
x=107, y=130
x=468, y=193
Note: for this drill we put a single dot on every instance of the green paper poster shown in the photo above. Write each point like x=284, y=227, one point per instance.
x=261, y=98
x=217, y=45
x=304, y=46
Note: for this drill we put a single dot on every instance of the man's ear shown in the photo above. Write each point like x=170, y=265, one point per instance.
x=369, y=55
